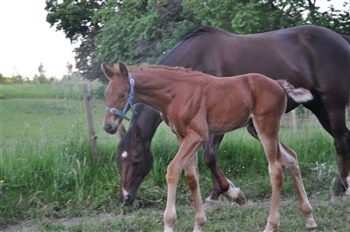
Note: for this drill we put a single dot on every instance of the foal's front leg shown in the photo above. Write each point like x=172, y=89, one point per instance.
x=192, y=177
x=188, y=146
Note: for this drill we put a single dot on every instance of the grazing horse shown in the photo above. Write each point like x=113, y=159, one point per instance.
x=194, y=105
x=311, y=57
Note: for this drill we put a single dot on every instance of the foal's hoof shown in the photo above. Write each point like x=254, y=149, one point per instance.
x=311, y=224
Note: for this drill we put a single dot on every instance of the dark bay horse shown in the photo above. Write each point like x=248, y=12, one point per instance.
x=194, y=105
x=312, y=57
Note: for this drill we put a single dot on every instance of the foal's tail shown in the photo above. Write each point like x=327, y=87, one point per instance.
x=298, y=95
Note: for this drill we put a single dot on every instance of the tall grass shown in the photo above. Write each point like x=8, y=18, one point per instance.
x=47, y=170
x=45, y=160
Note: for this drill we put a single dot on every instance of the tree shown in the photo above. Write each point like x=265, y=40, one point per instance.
x=77, y=19
x=41, y=78
x=261, y=16
x=74, y=17
x=18, y=79
x=337, y=20
x=134, y=30
x=137, y=31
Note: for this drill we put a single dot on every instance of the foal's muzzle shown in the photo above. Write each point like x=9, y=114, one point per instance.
x=110, y=128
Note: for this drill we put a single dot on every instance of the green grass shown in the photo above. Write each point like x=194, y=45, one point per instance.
x=37, y=91
x=48, y=176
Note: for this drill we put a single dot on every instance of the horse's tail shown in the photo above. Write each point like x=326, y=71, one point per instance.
x=298, y=95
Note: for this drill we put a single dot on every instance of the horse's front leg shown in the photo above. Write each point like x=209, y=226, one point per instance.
x=347, y=163
x=220, y=183
x=188, y=146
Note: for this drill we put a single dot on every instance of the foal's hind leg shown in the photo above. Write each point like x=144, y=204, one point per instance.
x=289, y=159
x=291, y=162
x=268, y=135
x=220, y=183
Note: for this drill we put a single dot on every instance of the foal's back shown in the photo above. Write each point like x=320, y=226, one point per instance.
x=231, y=102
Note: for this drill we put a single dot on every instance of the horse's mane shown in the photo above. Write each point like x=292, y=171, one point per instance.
x=203, y=30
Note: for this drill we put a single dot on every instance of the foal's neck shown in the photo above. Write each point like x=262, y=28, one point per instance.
x=157, y=88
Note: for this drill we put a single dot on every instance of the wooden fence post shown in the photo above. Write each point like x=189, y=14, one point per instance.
x=90, y=121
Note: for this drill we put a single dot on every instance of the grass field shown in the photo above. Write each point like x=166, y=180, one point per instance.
x=48, y=181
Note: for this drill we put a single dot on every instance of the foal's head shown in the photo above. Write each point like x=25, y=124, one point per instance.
x=133, y=153
x=117, y=96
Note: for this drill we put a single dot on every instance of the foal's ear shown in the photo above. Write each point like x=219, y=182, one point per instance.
x=123, y=69
x=108, y=71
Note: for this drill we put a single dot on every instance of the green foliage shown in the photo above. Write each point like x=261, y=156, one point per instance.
x=142, y=31
x=41, y=78
x=77, y=19
x=137, y=31
x=141, y=27
x=70, y=87
x=73, y=17
x=333, y=19
x=255, y=17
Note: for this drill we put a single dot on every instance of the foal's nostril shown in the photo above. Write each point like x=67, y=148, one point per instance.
x=109, y=128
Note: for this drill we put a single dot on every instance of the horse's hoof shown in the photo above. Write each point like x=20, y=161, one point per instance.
x=209, y=202
x=336, y=197
x=236, y=195
x=347, y=192
x=241, y=200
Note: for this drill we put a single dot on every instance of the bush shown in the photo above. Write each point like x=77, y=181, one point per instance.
x=70, y=87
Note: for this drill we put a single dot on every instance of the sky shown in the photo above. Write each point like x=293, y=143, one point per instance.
x=26, y=40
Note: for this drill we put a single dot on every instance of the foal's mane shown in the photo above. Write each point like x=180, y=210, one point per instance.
x=146, y=67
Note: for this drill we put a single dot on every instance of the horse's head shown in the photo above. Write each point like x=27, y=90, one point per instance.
x=135, y=161
x=119, y=95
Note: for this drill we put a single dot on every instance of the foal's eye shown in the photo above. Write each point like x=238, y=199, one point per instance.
x=122, y=95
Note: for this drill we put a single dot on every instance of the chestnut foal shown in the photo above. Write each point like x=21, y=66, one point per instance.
x=194, y=105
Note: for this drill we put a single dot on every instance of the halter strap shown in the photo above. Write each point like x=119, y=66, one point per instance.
x=130, y=101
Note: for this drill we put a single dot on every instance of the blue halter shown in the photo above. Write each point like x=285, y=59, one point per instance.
x=122, y=113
